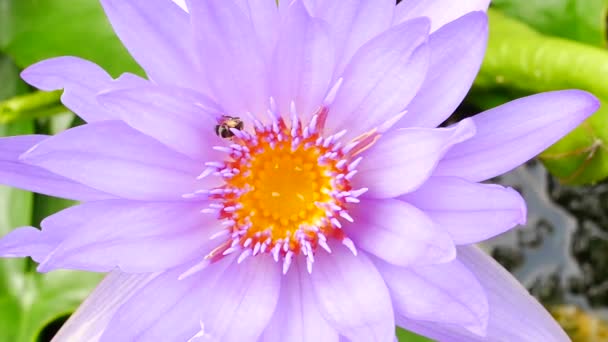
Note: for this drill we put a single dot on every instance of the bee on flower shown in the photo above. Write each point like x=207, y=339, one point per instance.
x=226, y=124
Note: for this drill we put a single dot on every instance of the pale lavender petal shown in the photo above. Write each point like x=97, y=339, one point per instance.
x=383, y=77
x=149, y=254
x=446, y=294
x=26, y=242
x=81, y=81
x=112, y=157
x=158, y=35
x=297, y=317
x=399, y=233
x=174, y=300
x=264, y=16
x=470, y=212
x=232, y=302
x=90, y=320
x=303, y=63
x=242, y=302
x=403, y=159
x=508, y=299
x=440, y=12
x=231, y=57
x=509, y=135
x=181, y=119
x=352, y=24
x=514, y=314
x=352, y=296
x=133, y=236
x=13, y=172
x=457, y=50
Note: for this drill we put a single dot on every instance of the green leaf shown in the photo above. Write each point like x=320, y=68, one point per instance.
x=29, y=300
x=581, y=20
x=11, y=84
x=527, y=60
x=33, y=30
x=408, y=336
x=523, y=61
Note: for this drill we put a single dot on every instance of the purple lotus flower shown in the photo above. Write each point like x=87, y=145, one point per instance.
x=337, y=210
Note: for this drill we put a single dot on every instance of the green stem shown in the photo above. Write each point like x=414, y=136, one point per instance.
x=8, y=117
x=31, y=101
x=31, y=106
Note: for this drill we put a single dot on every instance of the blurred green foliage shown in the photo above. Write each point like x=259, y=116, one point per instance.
x=534, y=46
x=580, y=20
x=33, y=30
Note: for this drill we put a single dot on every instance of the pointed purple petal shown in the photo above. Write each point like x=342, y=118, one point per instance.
x=440, y=12
x=181, y=119
x=445, y=293
x=174, y=301
x=470, y=212
x=509, y=135
x=24, y=242
x=403, y=159
x=352, y=23
x=303, y=63
x=508, y=300
x=264, y=16
x=297, y=318
x=81, y=80
x=457, y=50
x=233, y=62
x=514, y=314
x=384, y=75
x=158, y=35
x=133, y=236
x=399, y=234
x=233, y=303
x=13, y=172
x=112, y=157
x=352, y=296
x=92, y=317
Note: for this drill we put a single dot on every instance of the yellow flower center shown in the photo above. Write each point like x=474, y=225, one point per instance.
x=286, y=190
x=285, y=185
